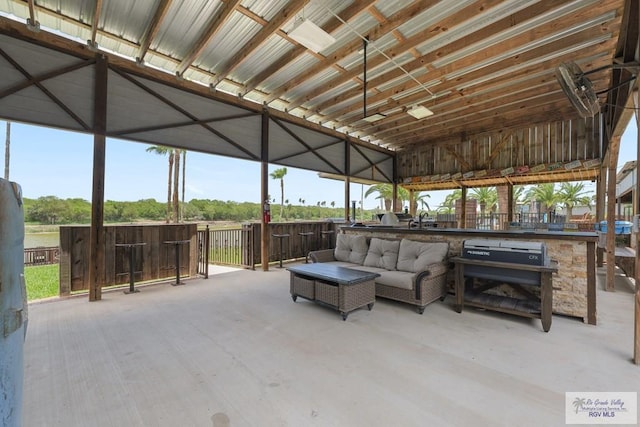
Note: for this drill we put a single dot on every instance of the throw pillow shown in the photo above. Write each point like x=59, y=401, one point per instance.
x=416, y=256
x=382, y=254
x=350, y=248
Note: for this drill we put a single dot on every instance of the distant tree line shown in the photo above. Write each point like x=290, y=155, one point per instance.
x=53, y=210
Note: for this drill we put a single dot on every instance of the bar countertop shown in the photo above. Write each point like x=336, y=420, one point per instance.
x=589, y=236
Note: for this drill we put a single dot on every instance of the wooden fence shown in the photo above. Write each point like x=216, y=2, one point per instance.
x=294, y=246
x=155, y=260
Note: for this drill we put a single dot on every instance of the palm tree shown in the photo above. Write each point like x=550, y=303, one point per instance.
x=279, y=174
x=420, y=197
x=163, y=151
x=571, y=195
x=546, y=195
x=450, y=200
x=487, y=198
x=385, y=195
x=518, y=196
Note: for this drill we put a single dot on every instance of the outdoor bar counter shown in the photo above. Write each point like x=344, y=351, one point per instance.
x=574, y=285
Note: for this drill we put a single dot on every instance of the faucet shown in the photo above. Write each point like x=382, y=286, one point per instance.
x=411, y=222
x=421, y=217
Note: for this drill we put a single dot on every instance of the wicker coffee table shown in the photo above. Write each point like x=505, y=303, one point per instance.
x=343, y=289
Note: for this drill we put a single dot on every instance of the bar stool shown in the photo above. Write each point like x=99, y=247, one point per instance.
x=304, y=235
x=280, y=237
x=327, y=234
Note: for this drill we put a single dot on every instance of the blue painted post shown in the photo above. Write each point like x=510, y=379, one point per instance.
x=13, y=303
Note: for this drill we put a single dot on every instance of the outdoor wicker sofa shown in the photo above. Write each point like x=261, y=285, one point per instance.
x=410, y=271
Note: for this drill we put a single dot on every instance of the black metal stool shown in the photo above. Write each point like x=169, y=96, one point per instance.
x=305, y=235
x=327, y=234
x=280, y=237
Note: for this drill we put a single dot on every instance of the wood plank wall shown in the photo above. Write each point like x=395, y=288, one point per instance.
x=541, y=144
x=155, y=260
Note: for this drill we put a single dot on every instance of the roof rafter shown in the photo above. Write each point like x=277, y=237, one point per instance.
x=285, y=15
x=96, y=20
x=456, y=19
x=572, y=41
x=352, y=11
x=458, y=45
x=374, y=33
x=212, y=29
x=152, y=29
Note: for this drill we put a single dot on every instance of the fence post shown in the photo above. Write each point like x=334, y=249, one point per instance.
x=206, y=253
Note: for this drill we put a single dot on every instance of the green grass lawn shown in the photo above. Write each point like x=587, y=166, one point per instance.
x=42, y=281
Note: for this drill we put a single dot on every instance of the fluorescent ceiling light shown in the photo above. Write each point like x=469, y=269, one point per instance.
x=374, y=117
x=311, y=36
x=419, y=112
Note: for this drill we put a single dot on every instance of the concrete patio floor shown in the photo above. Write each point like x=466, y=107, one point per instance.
x=235, y=350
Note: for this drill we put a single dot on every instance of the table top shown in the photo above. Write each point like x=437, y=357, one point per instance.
x=129, y=245
x=333, y=273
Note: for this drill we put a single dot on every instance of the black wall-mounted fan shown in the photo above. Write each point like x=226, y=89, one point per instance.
x=578, y=88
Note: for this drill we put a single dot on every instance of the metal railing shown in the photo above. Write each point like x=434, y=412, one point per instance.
x=242, y=247
x=232, y=247
x=41, y=256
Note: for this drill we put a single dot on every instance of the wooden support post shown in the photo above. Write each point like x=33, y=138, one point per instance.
x=636, y=210
x=509, y=202
x=600, y=192
x=264, y=191
x=614, y=148
x=97, y=238
x=347, y=202
x=463, y=208
x=347, y=180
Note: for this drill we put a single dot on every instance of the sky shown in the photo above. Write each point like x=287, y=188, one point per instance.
x=51, y=162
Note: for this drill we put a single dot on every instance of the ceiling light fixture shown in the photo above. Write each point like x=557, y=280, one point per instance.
x=419, y=112
x=374, y=117
x=311, y=36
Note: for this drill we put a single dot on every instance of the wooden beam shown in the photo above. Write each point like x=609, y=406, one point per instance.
x=458, y=18
x=564, y=44
x=96, y=20
x=347, y=180
x=285, y=15
x=636, y=211
x=373, y=33
x=97, y=237
x=210, y=31
x=601, y=191
x=351, y=12
x=152, y=29
x=450, y=49
x=614, y=148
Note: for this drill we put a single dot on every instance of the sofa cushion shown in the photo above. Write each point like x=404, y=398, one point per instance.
x=396, y=279
x=351, y=248
x=382, y=253
x=416, y=256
